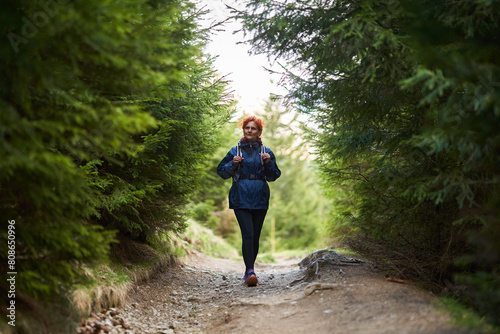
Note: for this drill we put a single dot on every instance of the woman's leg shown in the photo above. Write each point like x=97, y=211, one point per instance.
x=245, y=221
x=258, y=217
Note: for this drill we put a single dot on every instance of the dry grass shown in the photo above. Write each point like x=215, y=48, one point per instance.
x=100, y=297
x=111, y=290
x=113, y=285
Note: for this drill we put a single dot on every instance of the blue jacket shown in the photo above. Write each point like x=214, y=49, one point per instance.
x=253, y=194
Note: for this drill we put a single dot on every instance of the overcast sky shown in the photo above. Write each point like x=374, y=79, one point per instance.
x=250, y=81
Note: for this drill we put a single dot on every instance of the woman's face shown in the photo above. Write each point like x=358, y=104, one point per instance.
x=251, y=131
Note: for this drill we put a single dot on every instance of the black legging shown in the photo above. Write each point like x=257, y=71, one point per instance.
x=250, y=222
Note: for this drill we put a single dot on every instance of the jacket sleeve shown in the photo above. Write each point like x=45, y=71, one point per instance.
x=226, y=168
x=271, y=168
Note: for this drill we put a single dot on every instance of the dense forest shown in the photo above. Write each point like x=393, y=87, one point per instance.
x=113, y=120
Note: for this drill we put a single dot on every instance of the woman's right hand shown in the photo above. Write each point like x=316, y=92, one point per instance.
x=237, y=159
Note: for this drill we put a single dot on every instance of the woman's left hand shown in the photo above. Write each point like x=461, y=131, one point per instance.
x=266, y=157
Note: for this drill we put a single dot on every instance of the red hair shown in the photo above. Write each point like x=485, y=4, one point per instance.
x=248, y=119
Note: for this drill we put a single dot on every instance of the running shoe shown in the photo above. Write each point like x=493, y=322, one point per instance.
x=251, y=279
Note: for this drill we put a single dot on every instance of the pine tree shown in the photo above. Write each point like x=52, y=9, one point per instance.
x=91, y=93
x=406, y=103
x=145, y=196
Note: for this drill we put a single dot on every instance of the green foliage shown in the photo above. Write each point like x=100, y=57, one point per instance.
x=107, y=110
x=204, y=213
x=406, y=106
x=58, y=108
x=467, y=318
x=146, y=194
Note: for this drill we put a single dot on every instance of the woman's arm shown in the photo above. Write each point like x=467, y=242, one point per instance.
x=227, y=168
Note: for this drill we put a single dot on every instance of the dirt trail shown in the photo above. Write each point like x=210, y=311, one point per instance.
x=207, y=295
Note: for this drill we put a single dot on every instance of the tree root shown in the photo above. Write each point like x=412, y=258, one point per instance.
x=311, y=263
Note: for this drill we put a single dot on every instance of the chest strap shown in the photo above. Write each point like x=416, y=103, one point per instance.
x=253, y=177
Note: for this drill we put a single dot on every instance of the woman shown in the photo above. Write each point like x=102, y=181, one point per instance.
x=251, y=165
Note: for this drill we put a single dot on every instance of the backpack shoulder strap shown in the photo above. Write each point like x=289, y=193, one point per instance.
x=262, y=151
x=238, y=150
x=262, y=168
